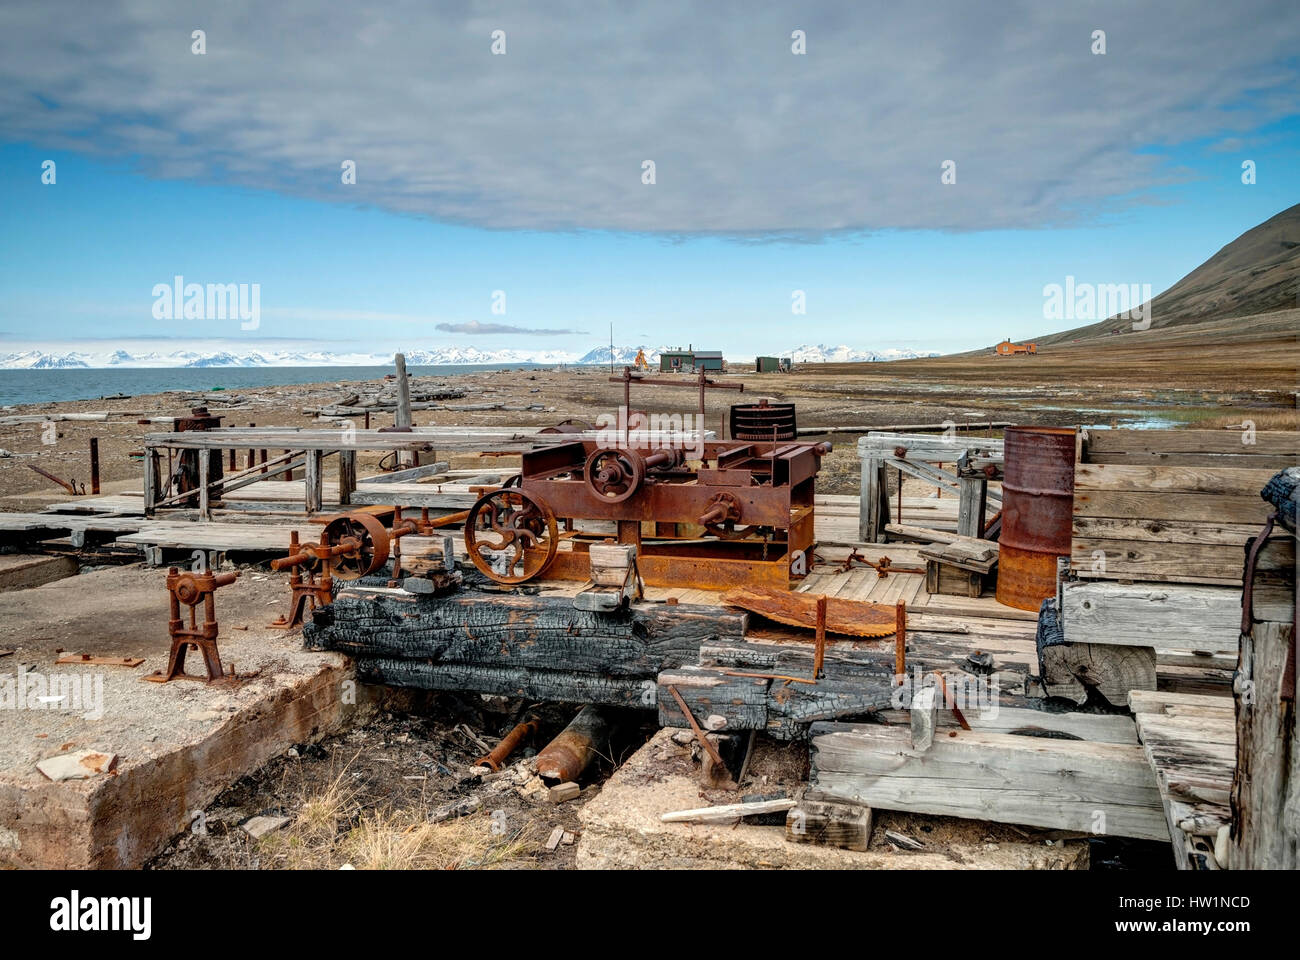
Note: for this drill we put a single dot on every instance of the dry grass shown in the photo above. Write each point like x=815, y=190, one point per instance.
x=392, y=838
x=1262, y=420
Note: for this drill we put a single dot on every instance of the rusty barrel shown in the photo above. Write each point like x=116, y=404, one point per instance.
x=1037, y=510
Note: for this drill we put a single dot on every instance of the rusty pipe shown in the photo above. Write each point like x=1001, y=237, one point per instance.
x=570, y=753
x=293, y=560
x=507, y=746
x=715, y=514
x=661, y=458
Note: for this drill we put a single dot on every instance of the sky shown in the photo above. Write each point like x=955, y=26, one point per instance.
x=500, y=198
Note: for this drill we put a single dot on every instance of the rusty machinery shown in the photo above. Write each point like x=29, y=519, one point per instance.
x=189, y=590
x=352, y=546
x=742, y=514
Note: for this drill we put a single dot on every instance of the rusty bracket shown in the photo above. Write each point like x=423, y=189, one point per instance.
x=883, y=568
x=190, y=590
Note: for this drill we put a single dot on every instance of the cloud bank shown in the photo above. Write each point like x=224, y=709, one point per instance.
x=748, y=139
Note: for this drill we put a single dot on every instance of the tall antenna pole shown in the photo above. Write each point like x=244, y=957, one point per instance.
x=611, y=346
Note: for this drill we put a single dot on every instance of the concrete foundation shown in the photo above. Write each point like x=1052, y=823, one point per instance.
x=622, y=830
x=177, y=745
x=18, y=571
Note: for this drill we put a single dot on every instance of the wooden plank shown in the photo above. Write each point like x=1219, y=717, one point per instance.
x=871, y=522
x=1164, y=531
x=1216, y=508
x=973, y=506
x=1149, y=560
x=205, y=503
x=1175, y=616
x=1236, y=481
x=347, y=476
x=1279, y=443
x=927, y=447
x=1030, y=722
x=1054, y=784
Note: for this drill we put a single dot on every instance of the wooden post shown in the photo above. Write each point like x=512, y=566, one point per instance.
x=151, y=479
x=94, y=465
x=347, y=475
x=402, y=417
x=1265, y=833
x=873, y=512
x=205, y=468
x=314, y=480
x=972, y=507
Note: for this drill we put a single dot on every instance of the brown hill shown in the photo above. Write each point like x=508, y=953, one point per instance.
x=1258, y=273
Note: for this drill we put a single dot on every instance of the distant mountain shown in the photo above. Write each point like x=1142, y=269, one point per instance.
x=623, y=356
x=1258, y=273
x=38, y=360
x=437, y=356
x=820, y=353
x=35, y=360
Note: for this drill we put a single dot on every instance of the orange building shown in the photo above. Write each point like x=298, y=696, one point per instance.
x=1007, y=349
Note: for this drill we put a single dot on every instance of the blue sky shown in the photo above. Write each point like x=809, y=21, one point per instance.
x=376, y=268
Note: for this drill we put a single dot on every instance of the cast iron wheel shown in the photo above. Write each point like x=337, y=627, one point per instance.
x=370, y=552
x=510, y=535
x=613, y=474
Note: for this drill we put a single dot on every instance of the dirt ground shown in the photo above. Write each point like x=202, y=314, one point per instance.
x=373, y=798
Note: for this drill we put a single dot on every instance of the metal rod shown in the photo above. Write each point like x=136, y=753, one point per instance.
x=900, y=640
x=820, y=651
x=695, y=727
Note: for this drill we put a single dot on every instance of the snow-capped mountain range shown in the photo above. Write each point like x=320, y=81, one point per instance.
x=438, y=356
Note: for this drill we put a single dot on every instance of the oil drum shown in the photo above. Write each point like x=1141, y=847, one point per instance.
x=1037, y=513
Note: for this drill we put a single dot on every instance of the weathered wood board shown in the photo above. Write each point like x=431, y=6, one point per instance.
x=1173, y=616
x=1056, y=784
x=1184, y=522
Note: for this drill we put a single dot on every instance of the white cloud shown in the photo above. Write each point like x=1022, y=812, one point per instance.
x=748, y=139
